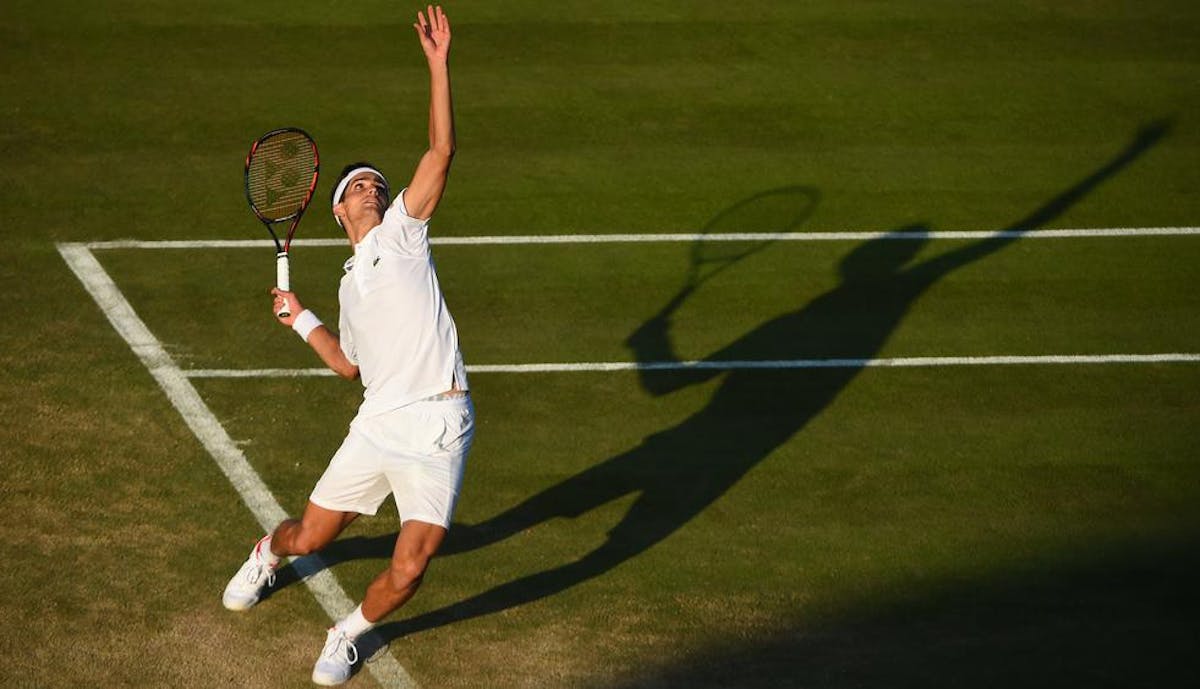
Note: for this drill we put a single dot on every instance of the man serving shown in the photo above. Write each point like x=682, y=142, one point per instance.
x=415, y=426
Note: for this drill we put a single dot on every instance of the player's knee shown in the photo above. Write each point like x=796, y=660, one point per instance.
x=406, y=573
x=307, y=543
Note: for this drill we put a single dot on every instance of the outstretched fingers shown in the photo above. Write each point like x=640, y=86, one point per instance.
x=433, y=28
x=422, y=27
x=438, y=19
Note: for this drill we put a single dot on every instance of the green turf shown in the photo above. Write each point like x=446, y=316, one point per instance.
x=1003, y=526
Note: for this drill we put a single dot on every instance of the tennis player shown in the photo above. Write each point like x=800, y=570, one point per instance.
x=416, y=424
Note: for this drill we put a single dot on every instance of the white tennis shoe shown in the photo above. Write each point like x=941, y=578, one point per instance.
x=246, y=587
x=339, y=654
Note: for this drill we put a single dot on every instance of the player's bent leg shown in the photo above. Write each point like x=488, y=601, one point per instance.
x=315, y=530
x=416, y=546
x=393, y=587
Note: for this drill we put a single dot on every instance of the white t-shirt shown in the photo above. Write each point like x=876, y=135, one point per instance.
x=394, y=323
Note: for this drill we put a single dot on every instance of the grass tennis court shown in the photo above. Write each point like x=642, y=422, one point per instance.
x=965, y=525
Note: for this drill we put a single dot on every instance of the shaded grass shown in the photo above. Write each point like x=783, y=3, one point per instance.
x=912, y=485
x=1061, y=493
x=1112, y=619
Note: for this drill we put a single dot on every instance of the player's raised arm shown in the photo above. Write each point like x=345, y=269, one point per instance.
x=429, y=181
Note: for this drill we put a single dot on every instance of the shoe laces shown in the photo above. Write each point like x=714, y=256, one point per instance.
x=256, y=573
x=339, y=647
x=255, y=569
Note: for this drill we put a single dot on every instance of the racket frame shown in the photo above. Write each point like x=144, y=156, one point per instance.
x=702, y=268
x=282, y=267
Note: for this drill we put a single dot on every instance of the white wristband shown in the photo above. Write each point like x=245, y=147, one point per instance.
x=305, y=323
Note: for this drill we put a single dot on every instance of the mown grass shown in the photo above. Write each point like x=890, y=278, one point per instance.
x=974, y=526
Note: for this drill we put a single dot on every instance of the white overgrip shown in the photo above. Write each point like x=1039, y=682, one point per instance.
x=283, y=281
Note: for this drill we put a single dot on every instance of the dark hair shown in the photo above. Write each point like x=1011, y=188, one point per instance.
x=347, y=170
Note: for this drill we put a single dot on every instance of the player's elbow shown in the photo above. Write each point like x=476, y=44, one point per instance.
x=345, y=369
x=443, y=150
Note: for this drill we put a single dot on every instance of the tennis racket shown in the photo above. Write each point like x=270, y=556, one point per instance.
x=281, y=175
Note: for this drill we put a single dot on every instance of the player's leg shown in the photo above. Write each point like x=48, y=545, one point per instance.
x=392, y=588
x=426, y=452
x=312, y=532
x=426, y=485
x=351, y=485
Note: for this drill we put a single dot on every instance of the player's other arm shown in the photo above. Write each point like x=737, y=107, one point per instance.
x=651, y=343
x=328, y=347
x=429, y=180
x=324, y=342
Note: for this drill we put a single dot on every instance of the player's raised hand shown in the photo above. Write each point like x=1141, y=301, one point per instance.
x=433, y=28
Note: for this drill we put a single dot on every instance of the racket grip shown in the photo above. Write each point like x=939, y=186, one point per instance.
x=283, y=281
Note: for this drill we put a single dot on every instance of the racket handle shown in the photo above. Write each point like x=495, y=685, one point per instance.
x=283, y=281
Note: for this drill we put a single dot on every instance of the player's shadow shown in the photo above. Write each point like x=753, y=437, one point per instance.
x=679, y=471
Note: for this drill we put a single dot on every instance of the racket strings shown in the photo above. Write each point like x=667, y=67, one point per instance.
x=776, y=210
x=280, y=175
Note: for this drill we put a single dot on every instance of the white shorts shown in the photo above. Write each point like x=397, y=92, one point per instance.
x=416, y=453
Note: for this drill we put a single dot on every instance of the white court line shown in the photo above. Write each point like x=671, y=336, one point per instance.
x=216, y=440
x=900, y=362
x=254, y=492
x=717, y=237
x=680, y=237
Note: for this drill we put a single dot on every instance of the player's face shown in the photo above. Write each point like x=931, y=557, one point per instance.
x=365, y=194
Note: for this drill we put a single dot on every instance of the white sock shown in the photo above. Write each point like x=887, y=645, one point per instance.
x=264, y=551
x=355, y=624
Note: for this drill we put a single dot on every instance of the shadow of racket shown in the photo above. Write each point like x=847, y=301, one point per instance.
x=746, y=228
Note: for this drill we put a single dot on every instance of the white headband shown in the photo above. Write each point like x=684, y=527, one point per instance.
x=341, y=187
